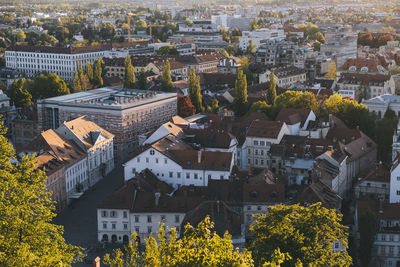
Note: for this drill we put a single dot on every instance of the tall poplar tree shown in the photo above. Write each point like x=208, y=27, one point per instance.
x=89, y=71
x=271, y=91
x=129, y=76
x=142, y=80
x=27, y=235
x=98, y=73
x=166, y=80
x=240, y=94
x=194, y=91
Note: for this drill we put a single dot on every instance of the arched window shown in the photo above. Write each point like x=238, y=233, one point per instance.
x=105, y=238
x=114, y=238
x=125, y=239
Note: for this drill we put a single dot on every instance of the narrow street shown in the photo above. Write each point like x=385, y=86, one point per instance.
x=80, y=218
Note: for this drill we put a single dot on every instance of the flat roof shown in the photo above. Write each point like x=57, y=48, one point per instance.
x=109, y=98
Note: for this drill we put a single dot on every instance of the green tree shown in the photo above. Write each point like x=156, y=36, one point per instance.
x=261, y=106
x=129, y=76
x=214, y=105
x=19, y=93
x=331, y=73
x=240, y=103
x=363, y=92
x=225, y=34
x=81, y=81
x=140, y=24
x=271, y=91
x=142, y=80
x=367, y=229
x=198, y=246
x=168, y=50
x=107, y=31
x=305, y=233
x=28, y=236
x=251, y=48
x=20, y=35
x=48, y=85
x=98, y=73
x=89, y=71
x=166, y=80
x=195, y=91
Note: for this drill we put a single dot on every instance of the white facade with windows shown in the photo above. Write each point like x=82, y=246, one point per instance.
x=36, y=60
x=260, y=35
x=395, y=183
x=172, y=172
x=76, y=175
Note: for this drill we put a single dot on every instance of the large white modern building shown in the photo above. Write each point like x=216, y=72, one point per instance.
x=260, y=35
x=380, y=104
x=32, y=60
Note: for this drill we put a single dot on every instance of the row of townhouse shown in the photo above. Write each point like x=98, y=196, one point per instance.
x=75, y=157
x=145, y=201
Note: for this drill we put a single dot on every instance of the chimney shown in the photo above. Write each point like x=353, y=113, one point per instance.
x=199, y=156
x=157, y=198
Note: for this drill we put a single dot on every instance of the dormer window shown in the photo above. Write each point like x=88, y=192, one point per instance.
x=353, y=68
x=364, y=69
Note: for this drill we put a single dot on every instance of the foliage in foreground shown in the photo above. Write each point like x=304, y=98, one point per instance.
x=306, y=234
x=27, y=236
x=199, y=246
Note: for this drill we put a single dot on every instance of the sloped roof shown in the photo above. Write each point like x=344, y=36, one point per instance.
x=87, y=131
x=292, y=116
x=264, y=128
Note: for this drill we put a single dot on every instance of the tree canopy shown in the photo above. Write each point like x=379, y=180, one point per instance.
x=198, y=246
x=166, y=80
x=195, y=91
x=48, y=85
x=240, y=104
x=306, y=234
x=19, y=94
x=271, y=91
x=28, y=238
x=129, y=76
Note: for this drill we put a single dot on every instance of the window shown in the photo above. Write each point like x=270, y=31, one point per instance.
x=383, y=237
x=178, y=174
x=209, y=177
x=336, y=245
x=170, y=174
x=157, y=160
x=104, y=226
x=104, y=213
x=137, y=229
x=152, y=152
x=125, y=214
x=113, y=226
x=391, y=250
x=196, y=176
x=177, y=218
x=147, y=160
x=163, y=218
x=149, y=218
x=398, y=192
x=256, y=152
x=221, y=177
x=255, y=142
x=262, y=162
x=398, y=178
x=249, y=151
x=149, y=229
x=136, y=218
x=262, y=143
x=258, y=207
x=125, y=226
x=165, y=161
x=113, y=214
x=391, y=237
x=187, y=175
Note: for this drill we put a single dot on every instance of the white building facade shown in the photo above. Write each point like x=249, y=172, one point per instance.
x=32, y=60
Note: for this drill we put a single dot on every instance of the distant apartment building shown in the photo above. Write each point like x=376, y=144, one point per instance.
x=285, y=76
x=124, y=113
x=32, y=60
x=341, y=47
x=260, y=36
x=381, y=103
x=370, y=85
x=280, y=53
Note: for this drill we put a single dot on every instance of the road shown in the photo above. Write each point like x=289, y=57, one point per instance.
x=80, y=218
